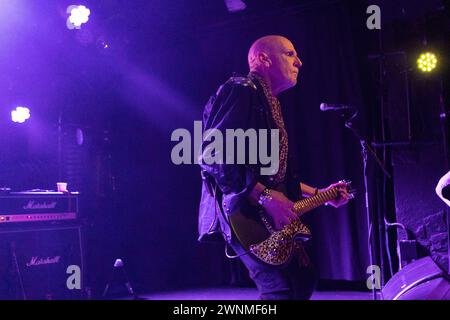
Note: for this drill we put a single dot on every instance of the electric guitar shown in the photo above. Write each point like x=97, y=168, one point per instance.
x=256, y=234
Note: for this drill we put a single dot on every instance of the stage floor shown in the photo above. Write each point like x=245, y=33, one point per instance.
x=238, y=293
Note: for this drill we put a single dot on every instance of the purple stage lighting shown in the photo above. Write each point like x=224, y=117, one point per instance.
x=20, y=114
x=235, y=5
x=78, y=16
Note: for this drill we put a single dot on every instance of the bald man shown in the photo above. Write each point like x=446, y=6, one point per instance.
x=250, y=102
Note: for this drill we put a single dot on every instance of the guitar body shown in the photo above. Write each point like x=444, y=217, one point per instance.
x=254, y=229
x=248, y=228
x=274, y=248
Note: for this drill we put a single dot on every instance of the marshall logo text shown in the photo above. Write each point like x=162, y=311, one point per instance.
x=36, y=261
x=40, y=205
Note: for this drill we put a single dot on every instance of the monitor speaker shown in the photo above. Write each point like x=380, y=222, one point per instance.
x=419, y=280
x=41, y=263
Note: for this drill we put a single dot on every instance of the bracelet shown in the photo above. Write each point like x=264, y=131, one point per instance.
x=264, y=196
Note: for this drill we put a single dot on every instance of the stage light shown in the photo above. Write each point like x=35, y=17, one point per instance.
x=78, y=16
x=427, y=62
x=20, y=114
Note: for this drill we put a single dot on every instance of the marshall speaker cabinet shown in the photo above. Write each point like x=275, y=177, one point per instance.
x=41, y=247
x=41, y=263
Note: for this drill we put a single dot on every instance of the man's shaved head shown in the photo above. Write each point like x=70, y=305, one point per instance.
x=267, y=45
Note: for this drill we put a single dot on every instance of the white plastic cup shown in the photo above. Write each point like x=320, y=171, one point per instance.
x=61, y=186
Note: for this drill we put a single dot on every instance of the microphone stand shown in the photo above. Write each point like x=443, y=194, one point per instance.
x=365, y=151
x=444, y=131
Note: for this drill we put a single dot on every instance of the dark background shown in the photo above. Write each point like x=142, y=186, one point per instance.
x=140, y=69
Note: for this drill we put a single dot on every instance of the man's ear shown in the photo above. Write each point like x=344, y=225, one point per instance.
x=264, y=59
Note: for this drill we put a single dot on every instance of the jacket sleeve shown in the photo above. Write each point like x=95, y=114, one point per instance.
x=231, y=109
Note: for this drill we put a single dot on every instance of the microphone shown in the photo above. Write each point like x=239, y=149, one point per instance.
x=326, y=107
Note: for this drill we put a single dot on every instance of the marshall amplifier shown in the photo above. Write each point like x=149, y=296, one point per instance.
x=41, y=264
x=24, y=207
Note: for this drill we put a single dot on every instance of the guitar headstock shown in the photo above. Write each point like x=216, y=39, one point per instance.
x=348, y=186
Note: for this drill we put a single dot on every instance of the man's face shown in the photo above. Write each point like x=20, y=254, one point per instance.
x=285, y=65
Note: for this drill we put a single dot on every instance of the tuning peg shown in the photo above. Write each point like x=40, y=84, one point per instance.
x=352, y=193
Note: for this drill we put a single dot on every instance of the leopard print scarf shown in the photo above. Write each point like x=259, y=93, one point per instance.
x=275, y=108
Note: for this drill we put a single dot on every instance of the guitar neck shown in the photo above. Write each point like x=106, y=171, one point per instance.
x=308, y=204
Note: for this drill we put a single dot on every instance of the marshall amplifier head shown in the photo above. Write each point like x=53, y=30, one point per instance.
x=42, y=264
x=24, y=207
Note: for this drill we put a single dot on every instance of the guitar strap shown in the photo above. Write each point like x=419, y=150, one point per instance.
x=212, y=192
x=217, y=195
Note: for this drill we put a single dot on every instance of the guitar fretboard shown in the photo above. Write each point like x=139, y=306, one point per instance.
x=307, y=204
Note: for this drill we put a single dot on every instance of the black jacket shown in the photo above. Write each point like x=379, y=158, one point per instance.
x=239, y=103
